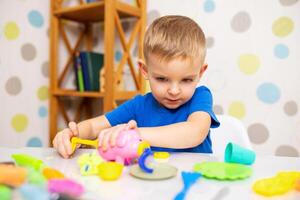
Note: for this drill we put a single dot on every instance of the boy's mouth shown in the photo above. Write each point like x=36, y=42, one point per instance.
x=173, y=101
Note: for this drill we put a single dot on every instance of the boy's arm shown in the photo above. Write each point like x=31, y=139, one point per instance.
x=179, y=135
x=89, y=129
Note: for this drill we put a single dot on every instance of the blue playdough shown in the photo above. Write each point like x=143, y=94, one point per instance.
x=142, y=160
x=33, y=192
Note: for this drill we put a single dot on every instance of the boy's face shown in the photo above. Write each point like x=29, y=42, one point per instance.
x=173, y=82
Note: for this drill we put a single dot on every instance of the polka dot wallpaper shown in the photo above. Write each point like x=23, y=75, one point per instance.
x=252, y=53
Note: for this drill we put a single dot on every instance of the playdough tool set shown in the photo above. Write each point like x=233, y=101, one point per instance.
x=33, y=180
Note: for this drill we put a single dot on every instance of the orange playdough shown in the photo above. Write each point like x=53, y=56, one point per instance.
x=12, y=175
x=51, y=173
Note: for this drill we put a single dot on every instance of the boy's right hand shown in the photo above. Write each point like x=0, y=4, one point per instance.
x=62, y=140
x=108, y=137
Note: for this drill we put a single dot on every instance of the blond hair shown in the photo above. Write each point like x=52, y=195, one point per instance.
x=175, y=36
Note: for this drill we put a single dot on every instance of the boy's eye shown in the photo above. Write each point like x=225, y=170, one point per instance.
x=161, y=79
x=187, y=80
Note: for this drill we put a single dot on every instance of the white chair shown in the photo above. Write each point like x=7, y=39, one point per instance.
x=231, y=129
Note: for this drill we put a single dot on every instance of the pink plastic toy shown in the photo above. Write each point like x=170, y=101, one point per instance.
x=128, y=146
x=65, y=186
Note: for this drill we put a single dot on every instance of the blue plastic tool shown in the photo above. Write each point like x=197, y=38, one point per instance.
x=189, y=178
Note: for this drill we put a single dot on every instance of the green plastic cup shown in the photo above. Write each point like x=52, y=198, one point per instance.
x=237, y=154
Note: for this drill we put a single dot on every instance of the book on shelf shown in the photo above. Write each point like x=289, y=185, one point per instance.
x=85, y=71
x=91, y=1
x=91, y=64
x=78, y=74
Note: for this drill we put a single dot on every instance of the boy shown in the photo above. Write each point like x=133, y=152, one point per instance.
x=176, y=115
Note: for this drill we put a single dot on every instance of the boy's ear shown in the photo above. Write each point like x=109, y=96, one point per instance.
x=203, y=69
x=143, y=68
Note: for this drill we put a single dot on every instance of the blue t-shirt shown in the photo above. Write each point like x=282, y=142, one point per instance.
x=147, y=112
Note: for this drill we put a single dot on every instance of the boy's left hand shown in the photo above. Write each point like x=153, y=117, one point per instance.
x=110, y=135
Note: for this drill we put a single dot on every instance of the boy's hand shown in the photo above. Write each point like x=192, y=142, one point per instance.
x=110, y=135
x=62, y=140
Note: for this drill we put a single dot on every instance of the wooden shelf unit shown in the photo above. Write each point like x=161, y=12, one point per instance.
x=110, y=12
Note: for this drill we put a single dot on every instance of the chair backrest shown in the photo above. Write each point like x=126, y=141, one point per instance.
x=231, y=129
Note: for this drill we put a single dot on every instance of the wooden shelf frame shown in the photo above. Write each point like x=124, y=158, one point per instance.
x=119, y=95
x=110, y=12
x=95, y=12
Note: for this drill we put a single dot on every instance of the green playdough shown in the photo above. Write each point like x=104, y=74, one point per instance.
x=160, y=171
x=223, y=171
x=35, y=177
x=25, y=160
x=5, y=192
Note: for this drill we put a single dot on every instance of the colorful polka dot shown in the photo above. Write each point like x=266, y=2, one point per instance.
x=34, y=142
x=241, y=22
x=286, y=150
x=42, y=93
x=248, y=63
x=281, y=51
x=290, y=108
x=258, y=133
x=288, y=2
x=19, y=122
x=28, y=52
x=11, y=31
x=118, y=56
x=43, y=111
x=13, y=85
x=209, y=6
x=268, y=93
x=35, y=18
x=283, y=26
x=237, y=109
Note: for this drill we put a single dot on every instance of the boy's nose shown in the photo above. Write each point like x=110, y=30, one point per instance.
x=174, y=89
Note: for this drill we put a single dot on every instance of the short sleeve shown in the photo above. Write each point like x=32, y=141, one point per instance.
x=202, y=101
x=123, y=113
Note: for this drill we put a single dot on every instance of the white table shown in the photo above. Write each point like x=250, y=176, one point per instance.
x=128, y=187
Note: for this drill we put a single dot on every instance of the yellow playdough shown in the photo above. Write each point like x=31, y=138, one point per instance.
x=161, y=155
x=277, y=185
